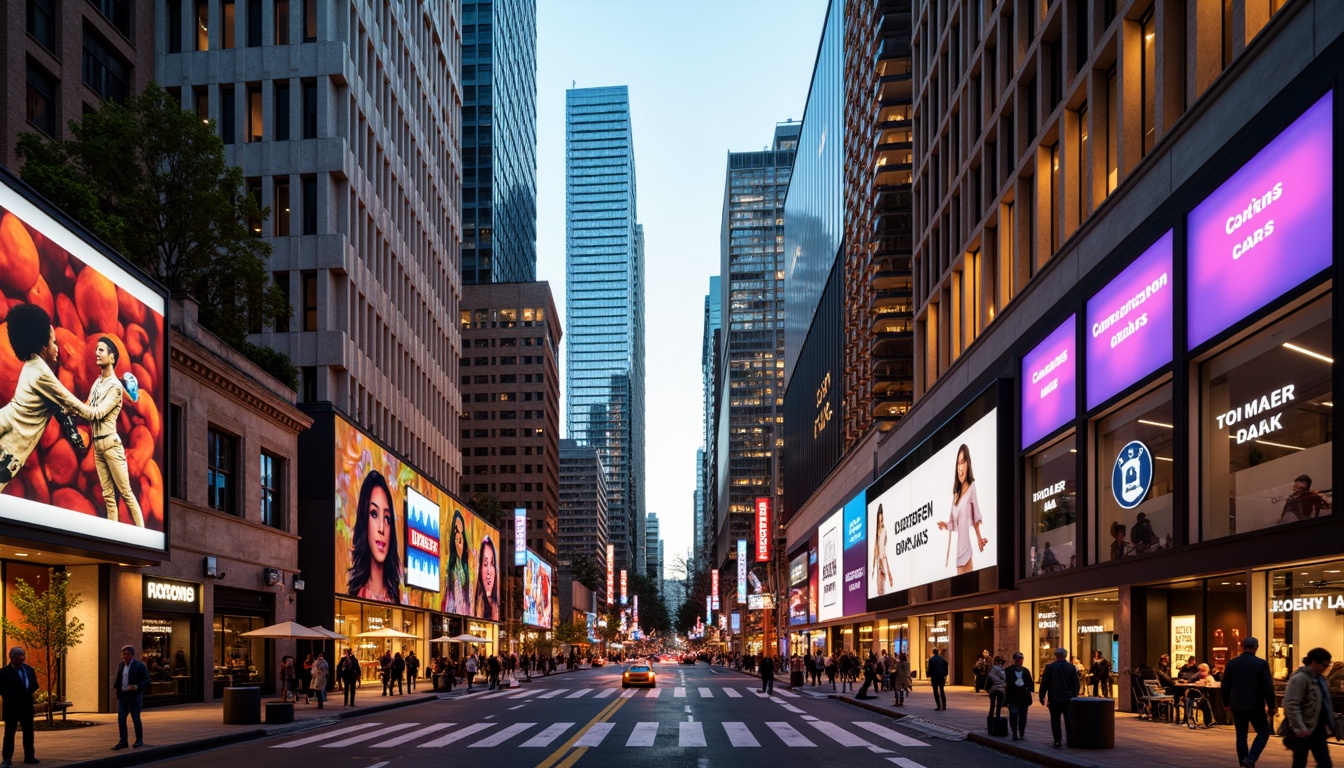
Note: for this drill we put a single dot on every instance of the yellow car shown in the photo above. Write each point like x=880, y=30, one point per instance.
x=639, y=674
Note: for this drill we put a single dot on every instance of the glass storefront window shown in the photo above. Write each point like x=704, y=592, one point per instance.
x=1304, y=613
x=936, y=632
x=1134, y=466
x=354, y=617
x=238, y=660
x=1051, y=499
x=1094, y=630
x=166, y=647
x=1266, y=417
x=1050, y=620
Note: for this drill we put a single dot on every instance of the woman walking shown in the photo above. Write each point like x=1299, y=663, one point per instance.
x=1018, y=695
x=306, y=680
x=996, y=683
x=900, y=680
x=318, y=681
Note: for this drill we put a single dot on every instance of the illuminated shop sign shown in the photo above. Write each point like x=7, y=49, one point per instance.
x=1266, y=229
x=1129, y=324
x=713, y=586
x=824, y=410
x=831, y=550
x=1132, y=474
x=156, y=627
x=624, y=587
x=1047, y=619
x=1049, y=384
x=763, y=530
x=1088, y=629
x=1253, y=419
x=519, y=536
x=741, y=570
x=170, y=591
x=1182, y=638
x=1333, y=602
x=856, y=553
x=611, y=573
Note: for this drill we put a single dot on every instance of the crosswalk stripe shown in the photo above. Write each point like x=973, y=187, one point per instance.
x=520, y=695
x=760, y=693
x=325, y=736
x=369, y=735
x=552, y=694
x=790, y=694
x=692, y=734
x=545, y=738
x=500, y=737
x=891, y=735
x=413, y=735
x=789, y=736
x=706, y=693
x=740, y=736
x=643, y=735
x=904, y=762
x=595, y=735
x=845, y=738
x=444, y=741
x=604, y=693
x=733, y=693
x=579, y=693
x=629, y=693
x=654, y=693
x=679, y=692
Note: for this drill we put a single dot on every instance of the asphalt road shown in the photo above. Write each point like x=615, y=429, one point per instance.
x=696, y=716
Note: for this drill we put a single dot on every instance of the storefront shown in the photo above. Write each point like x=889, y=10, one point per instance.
x=172, y=646
x=241, y=660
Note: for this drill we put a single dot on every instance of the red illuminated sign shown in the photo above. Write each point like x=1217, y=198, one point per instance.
x=763, y=529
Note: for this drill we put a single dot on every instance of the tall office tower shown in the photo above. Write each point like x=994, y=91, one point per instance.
x=343, y=118
x=653, y=542
x=706, y=497
x=511, y=404
x=604, y=268
x=582, y=523
x=66, y=58
x=499, y=141
x=752, y=297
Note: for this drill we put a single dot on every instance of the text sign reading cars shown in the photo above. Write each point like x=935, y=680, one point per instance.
x=1129, y=324
x=422, y=541
x=1049, y=384
x=763, y=530
x=1266, y=229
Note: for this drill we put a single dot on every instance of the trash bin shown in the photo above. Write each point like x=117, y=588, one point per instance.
x=795, y=678
x=279, y=712
x=1093, y=723
x=242, y=705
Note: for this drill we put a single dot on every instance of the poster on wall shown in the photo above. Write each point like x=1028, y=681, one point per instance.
x=940, y=519
x=856, y=554
x=537, y=591
x=813, y=577
x=831, y=549
x=798, y=588
x=83, y=359
x=1182, y=639
x=374, y=490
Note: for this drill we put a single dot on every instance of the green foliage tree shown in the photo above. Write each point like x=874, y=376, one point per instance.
x=588, y=573
x=697, y=588
x=150, y=179
x=571, y=633
x=46, y=624
x=653, y=615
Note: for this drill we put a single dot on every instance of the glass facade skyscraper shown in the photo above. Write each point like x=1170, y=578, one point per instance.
x=499, y=141
x=705, y=495
x=604, y=314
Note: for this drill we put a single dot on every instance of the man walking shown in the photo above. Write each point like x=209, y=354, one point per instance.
x=1060, y=683
x=938, y=679
x=412, y=670
x=1248, y=690
x=130, y=682
x=1307, y=712
x=767, y=675
x=348, y=672
x=18, y=683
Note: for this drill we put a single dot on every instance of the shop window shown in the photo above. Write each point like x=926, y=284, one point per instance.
x=1049, y=622
x=1267, y=408
x=1134, y=478
x=238, y=660
x=1304, y=613
x=1051, y=504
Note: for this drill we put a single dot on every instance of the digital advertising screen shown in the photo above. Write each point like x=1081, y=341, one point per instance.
x=941, y=518
x=830, y=549
x=1049, y=381
x=376, y=547
x=1130, y=324
x=83, y=363
x=422, y=541
x=536, y=591
x=856, y=553
x=798, y=588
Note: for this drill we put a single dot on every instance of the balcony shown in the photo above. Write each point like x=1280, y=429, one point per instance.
x=893, y=245
x=892, y=47
x=894, y=89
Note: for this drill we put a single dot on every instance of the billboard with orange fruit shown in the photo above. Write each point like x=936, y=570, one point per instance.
x=83, y=363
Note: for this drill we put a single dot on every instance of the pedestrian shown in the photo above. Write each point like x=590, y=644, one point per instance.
x=1018, y=696
x=318, y=682
x=888, y=667
x=129, y=685
x=1190, y=672
x=1060, y=684
x=846, y=671
x=526, y=664
x=288, y=679
x=494, y=665
x=18, y=683
x=1308, y=719
x=938, y=679
x=398, y=672
x=412, y=670
x=831, y=664
x=1248, y=690
x=996, y=684
x=385, y=672
x=869, y=677
x=306, y=680
x=348, y=672
x=981, y=670
x=900, y=680
x=471, y=670
x=1101, y=675
x=767, y=667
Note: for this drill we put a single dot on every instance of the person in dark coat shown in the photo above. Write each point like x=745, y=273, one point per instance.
x=397, y=673
x=385, y=672
x=495, y=666
x=1248, y=690
x=347, y=671
x=1060, y=684
x=1018, y=695
x=129, y=683
x=938, y=679
x=412, y=670
x=18, y=683
x=869, y=677
x=767, y=675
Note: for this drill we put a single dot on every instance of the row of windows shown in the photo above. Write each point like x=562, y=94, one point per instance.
x=504, y=378
x=225, y=477
x=491, y=361
x=202, y=16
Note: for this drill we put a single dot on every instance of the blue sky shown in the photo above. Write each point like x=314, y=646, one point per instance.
x=705, y=78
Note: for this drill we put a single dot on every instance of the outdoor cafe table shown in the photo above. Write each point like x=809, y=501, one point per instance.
x=1213, y=694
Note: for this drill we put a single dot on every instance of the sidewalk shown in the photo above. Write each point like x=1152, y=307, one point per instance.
x=189, y=728
x=1137, y=742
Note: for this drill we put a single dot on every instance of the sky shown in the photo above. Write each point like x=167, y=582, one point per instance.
x=705, y=78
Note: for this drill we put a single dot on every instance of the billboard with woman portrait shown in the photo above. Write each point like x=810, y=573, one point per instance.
x=536, y=591
x=390, y=521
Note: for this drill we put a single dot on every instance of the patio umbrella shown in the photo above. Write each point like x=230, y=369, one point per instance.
x=467, y=638
x=286, y=630
x=328, y=633
x=387, y=632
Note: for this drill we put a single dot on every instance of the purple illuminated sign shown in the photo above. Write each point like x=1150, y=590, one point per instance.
x=1129, y=324
x=1049, y=384
x=1265, y=230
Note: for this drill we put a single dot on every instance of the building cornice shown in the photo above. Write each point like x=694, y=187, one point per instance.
x=193, y=359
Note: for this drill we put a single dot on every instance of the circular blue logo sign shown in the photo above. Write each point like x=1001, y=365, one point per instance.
x=1132, y=475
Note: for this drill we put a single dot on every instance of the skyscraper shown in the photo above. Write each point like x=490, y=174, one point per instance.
x=499, y=141
x=604, y=268
x=653, y=539
x=705, y=496
x=582, y=521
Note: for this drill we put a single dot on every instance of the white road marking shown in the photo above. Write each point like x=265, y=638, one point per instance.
x=578, y=693
x=733, y=693
x=412, y=736
x=604, y=693
x=706, y=693
x=790, y=694
x=629, y=693
x=891, y=735
x=740, y=736
x=845, y=738
x=325, y=736
x=643, y=735
x=552, y=694
x=789, y=736
x=679, y=692
x=904, y=762
x=654, y=693
x=595, y=735
x=369, y=736
x=502, y=736
x=692, y=735
x=545, y=738
x=445, y=740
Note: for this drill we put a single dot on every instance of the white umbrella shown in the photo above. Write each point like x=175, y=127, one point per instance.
x=328, y=633
x=444, y=639
x=467, y=638
x=387, y=632
x=286, y=630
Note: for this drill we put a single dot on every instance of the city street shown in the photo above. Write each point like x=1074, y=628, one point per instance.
x=695, y=716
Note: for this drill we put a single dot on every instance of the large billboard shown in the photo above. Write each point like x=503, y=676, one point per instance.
x=377, y=550
x=1129, y=324
x=536, y=591
x=831, y=551
x=798, y=588
x=923, y=529
x=1050, y=383
x=83, y=363
x=856, y=552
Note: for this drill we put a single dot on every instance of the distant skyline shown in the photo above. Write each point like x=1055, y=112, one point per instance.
x=705, y=79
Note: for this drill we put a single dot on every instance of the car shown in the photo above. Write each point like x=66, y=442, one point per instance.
x=639, y=674
x=688, y=659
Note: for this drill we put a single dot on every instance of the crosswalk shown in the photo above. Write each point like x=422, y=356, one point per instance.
x=684, y=734
x=678, y=692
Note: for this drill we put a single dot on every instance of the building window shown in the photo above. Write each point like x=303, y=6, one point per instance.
x=177, y=430
x=254, y=191
x=1112, y=132
x=309, y=21
x=282, y=284
x=202, y=25
x=228, y=24
x=272, y=501
x=221, y=461
x=309, y=278
x=104, y=71
x=1298, y=625
x=40, y=102
x=310, y=109
x=1082, y=163
x=1267, y=425
x=42, y=23
x=1148, y=80
x=227, y=117
x=1134, y=441
x=310, y=205
x=1052, y=482
x=118, y=13
x=281, y=208
x=253, y=23
x=280, y=115
x=254, y=113
x=308, y=384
